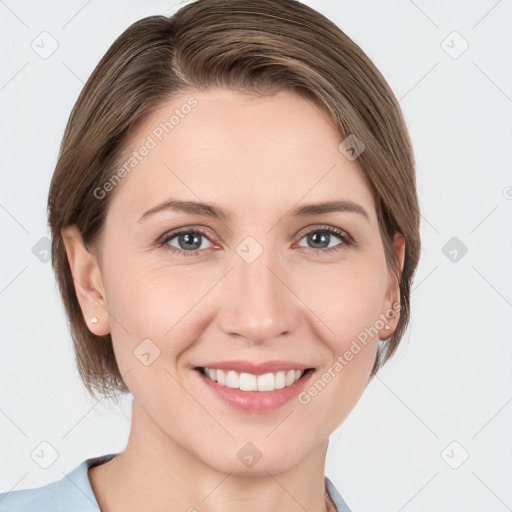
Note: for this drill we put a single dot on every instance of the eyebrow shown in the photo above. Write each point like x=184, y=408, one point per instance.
x=192, y=207
x=329, y=207
x=210, y=210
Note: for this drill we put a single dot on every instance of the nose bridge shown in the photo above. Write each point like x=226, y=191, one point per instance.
x=257, y=304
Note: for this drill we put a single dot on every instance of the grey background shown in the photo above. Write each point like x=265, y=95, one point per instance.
x=447, y=393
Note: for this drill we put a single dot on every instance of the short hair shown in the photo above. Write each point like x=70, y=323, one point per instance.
x=255, y=46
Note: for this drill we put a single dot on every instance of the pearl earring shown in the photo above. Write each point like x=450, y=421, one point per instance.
x=387, y=327
x=94, y=320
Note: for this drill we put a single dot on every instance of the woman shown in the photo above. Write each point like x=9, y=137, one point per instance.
x=235, y=229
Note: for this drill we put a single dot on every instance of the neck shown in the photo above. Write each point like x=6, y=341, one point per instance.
x=156, y=473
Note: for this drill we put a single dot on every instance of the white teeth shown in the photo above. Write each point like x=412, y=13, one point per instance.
x=221, y=376
x=266, y=382
x=280, y=380
x=232, y=379
x=249, y=382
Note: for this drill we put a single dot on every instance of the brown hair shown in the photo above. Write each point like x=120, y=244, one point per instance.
x=257, y=46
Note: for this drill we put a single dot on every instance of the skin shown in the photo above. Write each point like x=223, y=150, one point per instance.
x=256, y=158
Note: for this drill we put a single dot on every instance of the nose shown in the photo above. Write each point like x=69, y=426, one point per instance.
x=258, y=302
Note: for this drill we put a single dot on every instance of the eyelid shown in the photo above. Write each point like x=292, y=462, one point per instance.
x=162, y=241
x=347, y=240
x=202, y=230
x=340, y=233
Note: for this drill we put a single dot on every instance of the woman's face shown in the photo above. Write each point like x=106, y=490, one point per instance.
x=187, y=287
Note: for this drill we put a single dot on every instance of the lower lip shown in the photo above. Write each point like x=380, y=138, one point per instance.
x=256, y=401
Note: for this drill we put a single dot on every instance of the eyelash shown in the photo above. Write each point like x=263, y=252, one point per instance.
x=347, y=240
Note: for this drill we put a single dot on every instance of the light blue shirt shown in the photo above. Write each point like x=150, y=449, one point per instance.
x=73, y=493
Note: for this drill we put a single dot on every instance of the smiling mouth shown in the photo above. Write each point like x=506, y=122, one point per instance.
x=251, y=382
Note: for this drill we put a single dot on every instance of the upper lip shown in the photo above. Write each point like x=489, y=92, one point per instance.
x=240, y=366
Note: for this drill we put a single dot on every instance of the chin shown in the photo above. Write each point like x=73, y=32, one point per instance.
x=257, y=459
x=261, y=468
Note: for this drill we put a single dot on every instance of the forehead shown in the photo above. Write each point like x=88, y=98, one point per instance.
x=256, y=152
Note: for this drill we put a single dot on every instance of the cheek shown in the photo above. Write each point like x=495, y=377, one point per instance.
x=349, y=303
x=151, y=300
x=346, y=298
x=155, y=322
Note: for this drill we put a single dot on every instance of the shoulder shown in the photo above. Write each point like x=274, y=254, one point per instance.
x=336, y=497
x=72, y=492
x=40, y=498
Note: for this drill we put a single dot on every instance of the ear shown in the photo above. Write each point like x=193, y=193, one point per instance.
x=391, y=314
x=88, y=283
